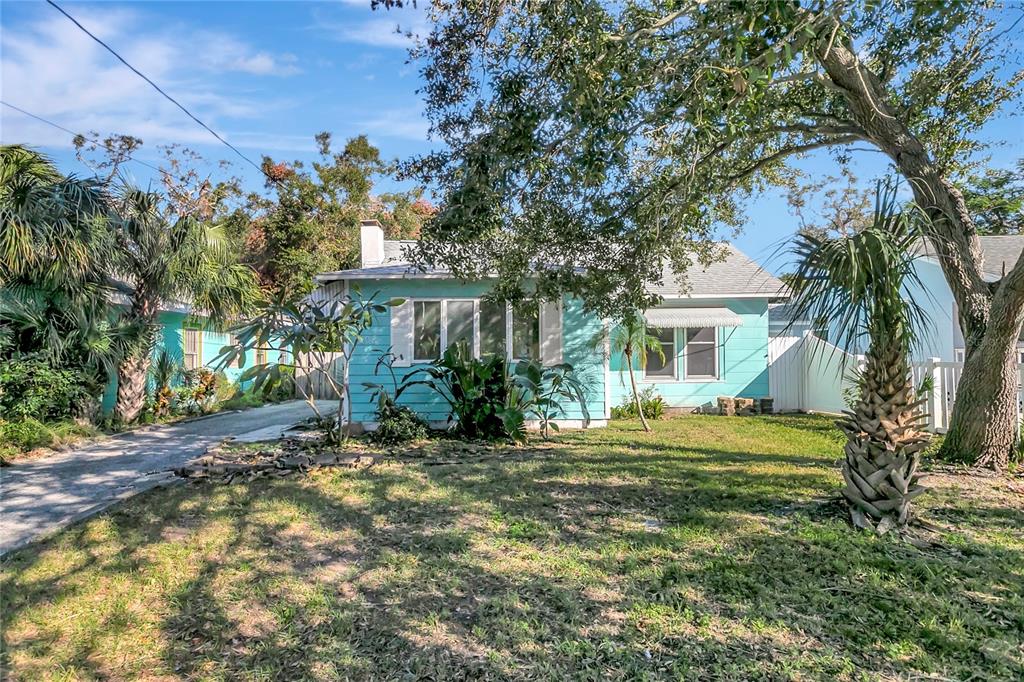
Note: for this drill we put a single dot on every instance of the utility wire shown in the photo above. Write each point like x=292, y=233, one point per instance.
x=91, y=138
x=160, y=90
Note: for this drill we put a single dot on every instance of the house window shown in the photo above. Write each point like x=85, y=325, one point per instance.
x=526, y=331
x=702, y=353
x=658, y=368
x=426, y=317
x=459, y=323
x=261, y=356
x=233, y=341
x=492, y=328
x=192, y=345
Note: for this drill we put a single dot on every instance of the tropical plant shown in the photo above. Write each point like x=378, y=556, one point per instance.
x=164, y=257
x=55, y=248
x=608, y=138
x=631, y=338
x=652, y=406
x=164, y=373
x=476, y=391
x=863, y=285
x=307, y=335
x=543, y=392
x=31, y=387
x=395, y=423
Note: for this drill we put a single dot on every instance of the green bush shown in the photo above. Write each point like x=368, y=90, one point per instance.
x=485, y=400
x=31, y=387
x=397, y=424
x=651, y=403
x=26, y=434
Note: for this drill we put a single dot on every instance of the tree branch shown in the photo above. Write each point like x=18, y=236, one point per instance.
x=789, y=151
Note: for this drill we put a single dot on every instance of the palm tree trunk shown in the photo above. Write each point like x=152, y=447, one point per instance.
x=131, y=386
x=883, y=442
x=636, y=394
x=132, y=372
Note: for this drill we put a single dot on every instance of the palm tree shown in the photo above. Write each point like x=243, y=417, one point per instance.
x=860, y=285
x=54, y=249
x=631, y=339
x=165, y=257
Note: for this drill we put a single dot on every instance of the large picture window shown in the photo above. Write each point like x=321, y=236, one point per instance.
x=702, y=353
x=426, y=340
x=488, y=328
x=656, y=367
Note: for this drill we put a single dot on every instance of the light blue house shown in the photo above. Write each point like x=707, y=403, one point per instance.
x=945, y=340
x=187, y=338
x=713, y=324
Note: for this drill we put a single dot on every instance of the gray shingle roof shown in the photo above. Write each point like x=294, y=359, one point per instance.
x=999, y=253
x=736, y=275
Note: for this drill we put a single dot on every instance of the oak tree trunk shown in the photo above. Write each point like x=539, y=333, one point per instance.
x=984, y=425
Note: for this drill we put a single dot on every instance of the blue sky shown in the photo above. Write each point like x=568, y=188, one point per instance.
x=267, y=76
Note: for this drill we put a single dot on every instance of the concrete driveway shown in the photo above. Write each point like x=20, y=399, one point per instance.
x=40, y=496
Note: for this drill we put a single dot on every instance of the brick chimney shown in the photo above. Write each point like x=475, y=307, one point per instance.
x=371, y=243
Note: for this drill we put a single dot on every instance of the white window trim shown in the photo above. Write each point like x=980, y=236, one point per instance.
x=674, y=359
x=701, y=379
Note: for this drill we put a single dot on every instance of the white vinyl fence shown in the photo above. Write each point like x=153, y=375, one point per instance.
x=807, y=374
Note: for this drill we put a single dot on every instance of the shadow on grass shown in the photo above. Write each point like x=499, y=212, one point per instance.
x=595, y=561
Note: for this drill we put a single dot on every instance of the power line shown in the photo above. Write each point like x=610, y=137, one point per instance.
x=91, y=138
x=160, y=90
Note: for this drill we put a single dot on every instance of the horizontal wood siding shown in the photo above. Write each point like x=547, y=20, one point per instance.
x=743, y=358
x=578, y=327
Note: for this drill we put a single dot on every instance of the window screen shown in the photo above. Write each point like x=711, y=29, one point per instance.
x=656, y=367
x=701, y=353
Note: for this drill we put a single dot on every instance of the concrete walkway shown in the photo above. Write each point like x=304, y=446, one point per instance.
x=41, y=496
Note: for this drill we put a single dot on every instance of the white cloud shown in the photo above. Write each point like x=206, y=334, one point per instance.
x=407, y=124
x=387, y=29
x=54, y=70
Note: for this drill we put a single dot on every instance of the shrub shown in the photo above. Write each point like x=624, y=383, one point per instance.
x=651, y=403
x=31, y=387
x=397, y=424
x=485, y=401
x=26, y=434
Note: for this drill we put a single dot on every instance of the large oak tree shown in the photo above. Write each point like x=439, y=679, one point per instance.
x=618, y=135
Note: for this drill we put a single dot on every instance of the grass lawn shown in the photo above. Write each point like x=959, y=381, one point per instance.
x=705, y=550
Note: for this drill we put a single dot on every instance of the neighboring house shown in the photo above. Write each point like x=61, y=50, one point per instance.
x=713, y=325
x=187, y=338
x=945, y=339
x=942, y=337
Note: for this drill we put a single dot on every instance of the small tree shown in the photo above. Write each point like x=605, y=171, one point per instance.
x=306, y=334
x=859, y=284
x=631, y=339
x=166, y=257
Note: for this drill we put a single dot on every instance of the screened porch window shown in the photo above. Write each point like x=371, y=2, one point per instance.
x=526, y=331
x=657, y=368
x=702, y=353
